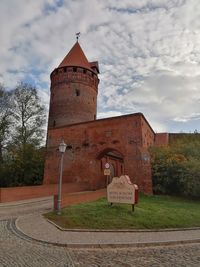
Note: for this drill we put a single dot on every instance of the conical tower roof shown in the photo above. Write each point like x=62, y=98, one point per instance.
x=75, y=57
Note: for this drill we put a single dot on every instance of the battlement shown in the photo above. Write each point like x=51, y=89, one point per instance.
x=74, y=74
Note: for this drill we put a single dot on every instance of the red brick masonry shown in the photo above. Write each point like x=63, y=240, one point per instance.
x=121, y=141
x=28, y=192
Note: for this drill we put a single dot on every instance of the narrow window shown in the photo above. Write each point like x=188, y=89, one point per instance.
x=84, y=71
x=77, y=92
x=74, y=69
x=54, y=123
x=94, y=117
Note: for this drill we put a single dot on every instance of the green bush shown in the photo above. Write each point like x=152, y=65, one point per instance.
x=176, y=168
x=191, y=181
x=22, y=167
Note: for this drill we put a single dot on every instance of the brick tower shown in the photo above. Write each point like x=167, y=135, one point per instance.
x=74, y=88
x=120, y=141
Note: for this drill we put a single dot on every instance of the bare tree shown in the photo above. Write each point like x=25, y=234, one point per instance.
x=22, y=121
x=5, y=118
x=29, y=116
x=29, y=119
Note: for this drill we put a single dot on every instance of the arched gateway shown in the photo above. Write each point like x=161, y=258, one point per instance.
x=115, y=160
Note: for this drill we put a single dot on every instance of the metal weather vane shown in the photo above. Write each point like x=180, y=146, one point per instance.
x=77, y=35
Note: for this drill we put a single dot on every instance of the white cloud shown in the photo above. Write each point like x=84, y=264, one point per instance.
x=193, y=116
x=148, y=50
x=108, y=114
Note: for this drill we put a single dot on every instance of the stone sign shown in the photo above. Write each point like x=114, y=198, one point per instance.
x=121, y=190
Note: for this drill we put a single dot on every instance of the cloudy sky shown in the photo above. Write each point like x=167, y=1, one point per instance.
x=148, y=52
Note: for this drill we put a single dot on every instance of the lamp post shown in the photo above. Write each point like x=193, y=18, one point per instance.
x=62, y=148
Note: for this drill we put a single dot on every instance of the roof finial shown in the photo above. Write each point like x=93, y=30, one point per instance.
x=77, y=35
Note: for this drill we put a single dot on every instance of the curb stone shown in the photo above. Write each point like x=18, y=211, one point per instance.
x=122, y=230
x=16, y=230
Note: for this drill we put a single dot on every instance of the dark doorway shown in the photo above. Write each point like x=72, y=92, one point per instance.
x=116, y=161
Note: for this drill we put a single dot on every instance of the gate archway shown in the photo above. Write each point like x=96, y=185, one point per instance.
x=116, y=161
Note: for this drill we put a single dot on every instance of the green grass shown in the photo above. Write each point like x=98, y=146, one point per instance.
x=152, y=212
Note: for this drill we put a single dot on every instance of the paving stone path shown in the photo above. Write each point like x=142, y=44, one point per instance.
x=16, y=209
x=17, y=249
x=173, y=256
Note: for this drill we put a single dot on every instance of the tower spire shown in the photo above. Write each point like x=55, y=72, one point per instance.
x=77, y=36
x=75, y=58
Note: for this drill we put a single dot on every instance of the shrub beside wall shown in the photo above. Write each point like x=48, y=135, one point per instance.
x=176, y=168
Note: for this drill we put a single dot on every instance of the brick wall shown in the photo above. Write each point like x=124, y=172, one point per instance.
x=88, y=140
x=28, y=192
x=161, y=139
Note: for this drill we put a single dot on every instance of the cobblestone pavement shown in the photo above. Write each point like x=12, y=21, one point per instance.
x=17, y=251
x=15, y=209
x=174, y=256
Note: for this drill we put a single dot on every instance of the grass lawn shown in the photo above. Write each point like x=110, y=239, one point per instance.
x=152, y=212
